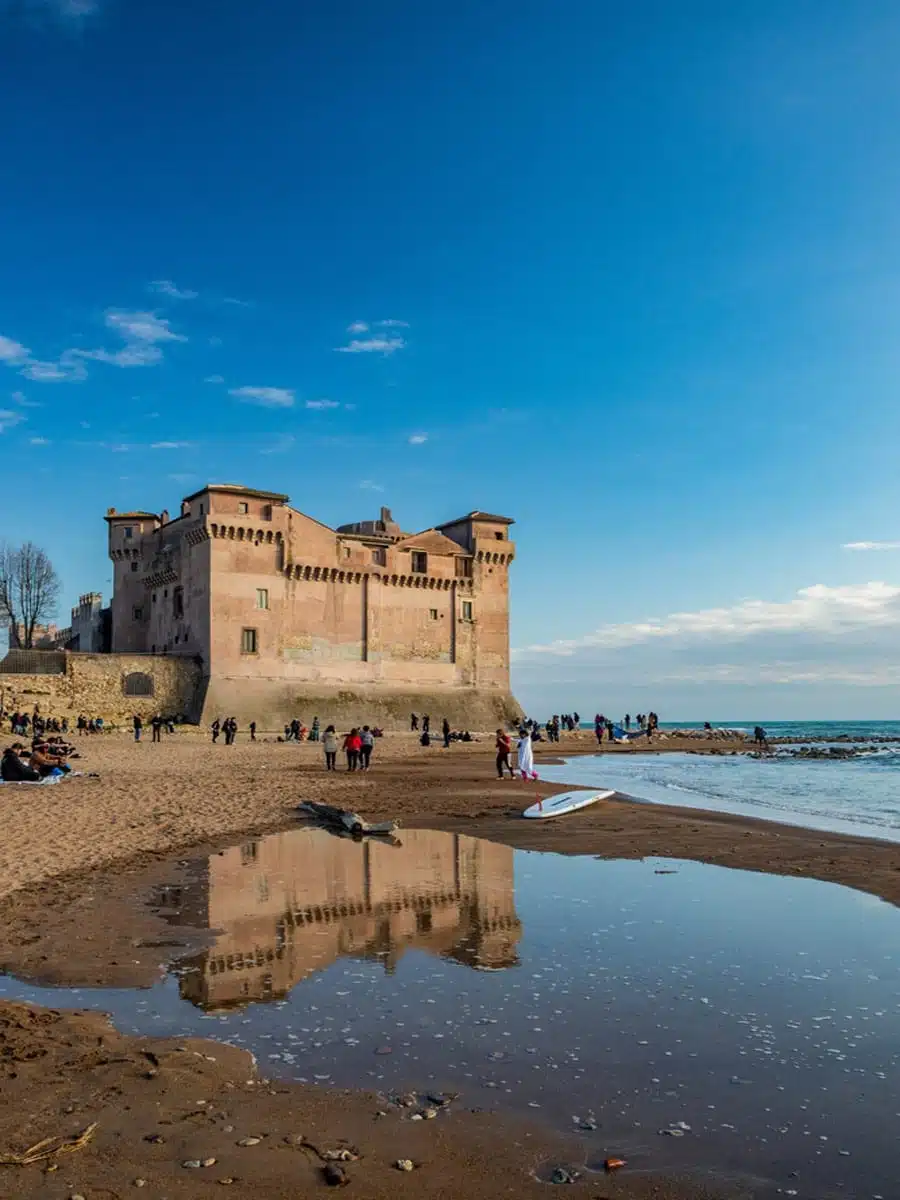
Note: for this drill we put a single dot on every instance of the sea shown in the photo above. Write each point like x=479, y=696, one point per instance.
x=859, y=795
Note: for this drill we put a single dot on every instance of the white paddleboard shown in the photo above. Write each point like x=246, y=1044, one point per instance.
x=565, y=802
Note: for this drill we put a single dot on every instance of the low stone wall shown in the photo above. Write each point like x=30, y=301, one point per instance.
x=272, y=703
x=94, y=684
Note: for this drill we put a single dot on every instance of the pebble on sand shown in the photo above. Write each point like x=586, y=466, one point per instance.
x=405, y=1164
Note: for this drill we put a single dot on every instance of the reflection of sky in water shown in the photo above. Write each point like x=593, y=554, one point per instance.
x=761, y=1011
x=859, y=795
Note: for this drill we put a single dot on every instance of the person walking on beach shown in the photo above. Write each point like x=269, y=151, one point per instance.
x=759, y=737
x=426, y=724
x=598, y=728
x=330, y=746
x=526, y=756
x=413, y=723
x=314, y=731
x=503, y=747
x=138, y=727
x=215, y=729
x=445, y=730
x=252, y=731
x=367, y=744
x=156, y=724
x=352, y=747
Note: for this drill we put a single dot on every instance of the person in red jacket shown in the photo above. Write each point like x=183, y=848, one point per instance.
x=503, y=747
x=352, y=747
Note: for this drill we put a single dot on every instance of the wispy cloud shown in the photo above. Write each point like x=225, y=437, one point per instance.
x=237, y=303
x=378, y=343
x=68, y=369
x=848, y=634
x=871, y=546
x=322, y=404
x=39, y=441
x=22, y=400
x=214, y=379
x=12, y=352
x=267, y=397
x=369, y=485
x=143, y=333
x=169, y=445
x=165, y=287
x=9, y=417
x=417, y=439
x=281, y=445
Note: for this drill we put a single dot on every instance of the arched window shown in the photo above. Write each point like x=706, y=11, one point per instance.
x=137, y=684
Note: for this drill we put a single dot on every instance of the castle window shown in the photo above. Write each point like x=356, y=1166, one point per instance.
x=467, y=610
x=154, y=597
x=249, y=853
x=128, y=532
x=178, y=603
x=137, y=684
x=262, y=597
x=267, y=512
x=248, y=641
x=379, y=557
x=134, y=565
x=346, y=551
x=433, y=613
x=499, y=537
x=419, y=562
x=464, y=568
x=137, y=613
x=243, y=507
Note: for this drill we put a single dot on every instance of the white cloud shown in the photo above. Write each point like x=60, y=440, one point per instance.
x=322, y=404
x=358, y=327
x=214, y=379
x=22, y=400
x=38, y=441
x=373, y=345
x=390, y=323
x=848, y=634
x=169, y=445
x=67, y=370
x=369, y=486
x=238, y=303
x=871, y=546
x=12, y=352
x=141, y=327
x=8, y=418
x=267, y=397
x=280, y=445
x=417, y=439
x=165, y=287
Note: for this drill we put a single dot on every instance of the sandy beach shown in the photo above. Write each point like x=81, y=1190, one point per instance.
x=67, y=919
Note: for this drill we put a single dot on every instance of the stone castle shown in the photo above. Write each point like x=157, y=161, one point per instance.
x=281, y=615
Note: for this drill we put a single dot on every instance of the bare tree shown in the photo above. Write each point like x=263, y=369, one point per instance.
x=29, y=591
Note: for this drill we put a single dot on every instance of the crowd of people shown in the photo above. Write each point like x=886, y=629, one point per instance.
x=48, y=756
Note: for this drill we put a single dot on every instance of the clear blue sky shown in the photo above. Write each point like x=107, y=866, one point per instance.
x=627, y=272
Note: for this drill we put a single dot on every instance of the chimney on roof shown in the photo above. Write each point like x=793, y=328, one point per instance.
x=164, y=517
x=185, y=508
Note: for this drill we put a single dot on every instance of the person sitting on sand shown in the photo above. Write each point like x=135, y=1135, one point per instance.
x=13, y=769
x=46, y=763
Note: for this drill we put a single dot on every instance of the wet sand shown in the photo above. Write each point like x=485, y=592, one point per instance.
x=64, y=921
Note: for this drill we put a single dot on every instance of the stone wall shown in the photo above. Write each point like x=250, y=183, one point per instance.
x=274, y=702
x=94, y=684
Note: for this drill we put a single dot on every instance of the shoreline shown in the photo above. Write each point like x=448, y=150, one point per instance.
x=66, y=918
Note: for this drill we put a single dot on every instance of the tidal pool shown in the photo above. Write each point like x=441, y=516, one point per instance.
x=737, y=1024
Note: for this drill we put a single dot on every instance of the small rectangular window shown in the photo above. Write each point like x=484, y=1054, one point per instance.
x=137, y=613
x=379, y=557
x=419, y=562
x=464, y=568
x=248, y=641
x=267, y=512
x=346, y=552
x=134, y=566
x=154, y=597
x=178, y=603
x=467, y=610
x=499, y=537
x=243, y=507
x=129, y=532
x=262, y=597
x=433, y=613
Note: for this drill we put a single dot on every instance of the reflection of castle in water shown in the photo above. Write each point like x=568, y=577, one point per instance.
x=288, y=905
